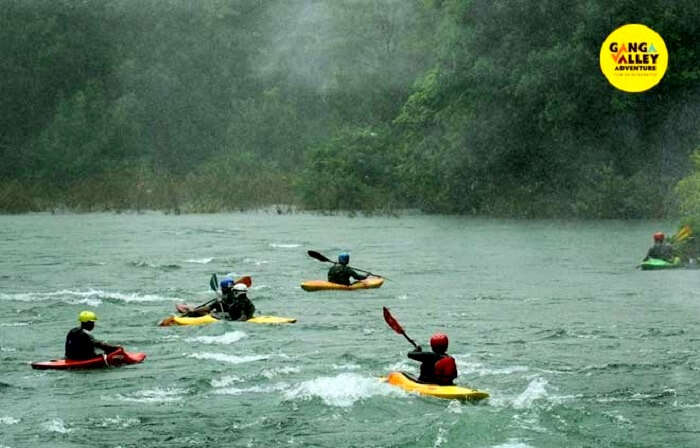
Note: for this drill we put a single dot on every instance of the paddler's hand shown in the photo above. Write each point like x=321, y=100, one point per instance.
x=419, y=349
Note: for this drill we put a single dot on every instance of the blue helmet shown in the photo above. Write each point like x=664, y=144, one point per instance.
x=344, y=258
x=226, y=283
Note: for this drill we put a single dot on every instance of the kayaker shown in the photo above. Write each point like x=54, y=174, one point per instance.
x=80, y=344
x=340, y=272
x=234, y=301
x=660, y=250
x=437, y=367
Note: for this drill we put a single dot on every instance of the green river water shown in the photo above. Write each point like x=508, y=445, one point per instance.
x=576, y=347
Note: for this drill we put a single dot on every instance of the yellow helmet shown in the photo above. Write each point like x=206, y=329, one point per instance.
x=87, y=316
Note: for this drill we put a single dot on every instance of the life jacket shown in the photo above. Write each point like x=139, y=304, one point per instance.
x=445, y=370
x=80, y=345
x=340, y=274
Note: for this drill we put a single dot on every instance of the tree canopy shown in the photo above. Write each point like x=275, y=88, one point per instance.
x=457, y=106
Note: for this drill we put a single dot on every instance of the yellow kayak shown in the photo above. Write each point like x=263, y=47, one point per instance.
x=271, y=320
x=407, y=383
x=322, y=285
x=179, y=320
x=209, y=319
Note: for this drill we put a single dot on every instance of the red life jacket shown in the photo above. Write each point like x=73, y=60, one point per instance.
x=445, y=370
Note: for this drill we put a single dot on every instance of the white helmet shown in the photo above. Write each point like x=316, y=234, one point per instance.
x=240, y=288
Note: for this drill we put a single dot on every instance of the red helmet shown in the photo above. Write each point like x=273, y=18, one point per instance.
x=439, y=342
x=659, y=236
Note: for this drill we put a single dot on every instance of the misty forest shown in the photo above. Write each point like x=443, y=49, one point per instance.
x=490, y=107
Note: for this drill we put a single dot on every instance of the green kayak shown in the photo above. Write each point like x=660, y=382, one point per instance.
x=655, y=263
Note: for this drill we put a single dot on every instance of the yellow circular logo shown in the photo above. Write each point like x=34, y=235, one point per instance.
x=634, y=58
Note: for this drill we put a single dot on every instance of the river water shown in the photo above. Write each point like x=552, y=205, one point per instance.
x=576, y=347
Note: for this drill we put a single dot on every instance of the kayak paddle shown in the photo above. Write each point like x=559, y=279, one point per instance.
x=214, y=285
x=682, y=234
x=321, y=257
x=245, y=280
x=395, y=325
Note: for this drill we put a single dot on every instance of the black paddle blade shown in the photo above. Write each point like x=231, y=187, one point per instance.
x=391, y=321
x=318, y=256
x=214, y=283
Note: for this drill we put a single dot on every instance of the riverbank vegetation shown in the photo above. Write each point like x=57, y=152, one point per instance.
x=450, y=106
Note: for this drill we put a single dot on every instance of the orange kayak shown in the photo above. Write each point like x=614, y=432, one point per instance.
x=322, y=285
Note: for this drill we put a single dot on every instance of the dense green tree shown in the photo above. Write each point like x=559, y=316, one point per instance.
x=459, y=106
x=50, y=50
x=353, y=171
x=688, y=190
x=530, y=126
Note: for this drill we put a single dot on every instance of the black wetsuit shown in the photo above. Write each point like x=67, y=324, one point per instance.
x=661, y=251
x=341, y=273
x=236, y=307
x=80, y=345
x=428, y=361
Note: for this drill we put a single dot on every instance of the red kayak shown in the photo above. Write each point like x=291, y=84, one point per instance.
x=115, y=359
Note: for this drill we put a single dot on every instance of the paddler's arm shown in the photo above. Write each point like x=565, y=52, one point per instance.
x=420, y=355
x=105, y=347
x=357, y=276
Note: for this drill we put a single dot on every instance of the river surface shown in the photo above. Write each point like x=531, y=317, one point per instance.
x=576, y=347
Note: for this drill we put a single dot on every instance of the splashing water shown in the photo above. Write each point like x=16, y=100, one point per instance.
x=225, y=381
x=55, y=425
x=226, y=338
x=223, y=357
x=513, y=443
x=535, y=390
x=271, y=373
x=92, y=297
x=200, y=260
x=285, y=245
x=9, y=420
x=342, y=390
x=152, y=395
